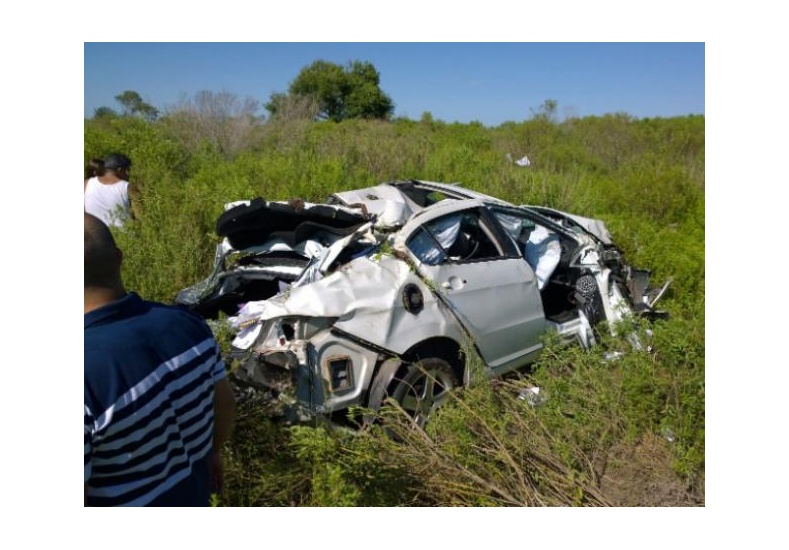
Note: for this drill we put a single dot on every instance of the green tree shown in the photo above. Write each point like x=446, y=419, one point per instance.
x=341, y=92
x=134, y=105
x=546, y=111
x=104, y=112
x=287, y=107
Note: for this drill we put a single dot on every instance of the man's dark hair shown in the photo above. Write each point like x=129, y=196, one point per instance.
x=102, y=258
x=117, y=161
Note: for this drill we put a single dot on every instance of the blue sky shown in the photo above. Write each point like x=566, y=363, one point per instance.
x=484, y=81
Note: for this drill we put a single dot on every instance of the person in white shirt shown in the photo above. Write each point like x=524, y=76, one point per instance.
x=108, y=194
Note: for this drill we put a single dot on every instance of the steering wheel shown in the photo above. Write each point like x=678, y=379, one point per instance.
x=473, y=246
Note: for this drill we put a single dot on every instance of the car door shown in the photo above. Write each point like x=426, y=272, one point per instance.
x=483, y=278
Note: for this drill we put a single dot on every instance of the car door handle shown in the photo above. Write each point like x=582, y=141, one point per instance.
x=453, y=283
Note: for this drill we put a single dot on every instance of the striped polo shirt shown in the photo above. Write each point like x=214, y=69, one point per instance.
x=150, y=371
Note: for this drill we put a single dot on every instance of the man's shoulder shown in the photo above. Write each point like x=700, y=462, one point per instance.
x=177, y=314
x=175, y=310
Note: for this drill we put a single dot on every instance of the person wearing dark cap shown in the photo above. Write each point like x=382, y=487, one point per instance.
x=158, y=403
x=108, y=195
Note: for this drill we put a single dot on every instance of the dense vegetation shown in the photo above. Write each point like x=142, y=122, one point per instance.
x=607, y=432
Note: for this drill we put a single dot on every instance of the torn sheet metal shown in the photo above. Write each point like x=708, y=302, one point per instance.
x=364, y=297
x=388, y=205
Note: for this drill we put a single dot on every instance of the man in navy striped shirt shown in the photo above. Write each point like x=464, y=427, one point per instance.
x=158, y=405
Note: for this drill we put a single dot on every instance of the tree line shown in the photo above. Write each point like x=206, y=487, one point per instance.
x=322, y=90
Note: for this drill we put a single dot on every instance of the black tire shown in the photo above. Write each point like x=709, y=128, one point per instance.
x=421, y=387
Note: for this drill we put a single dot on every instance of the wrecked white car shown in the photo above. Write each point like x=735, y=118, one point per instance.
x=374, y=293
